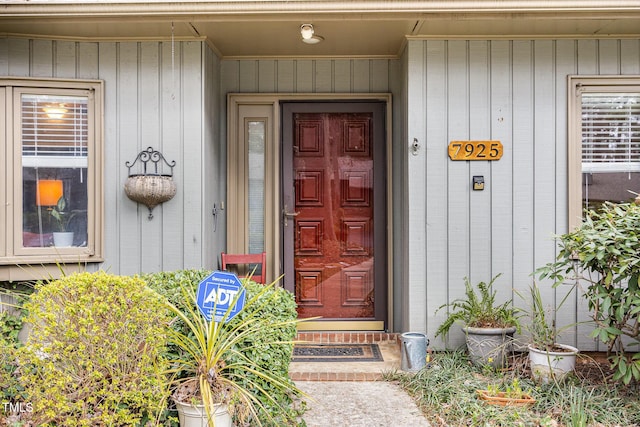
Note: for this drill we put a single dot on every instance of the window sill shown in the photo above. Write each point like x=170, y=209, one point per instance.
x=43, y=267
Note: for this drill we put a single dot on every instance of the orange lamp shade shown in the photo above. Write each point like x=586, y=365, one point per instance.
x=48, y=192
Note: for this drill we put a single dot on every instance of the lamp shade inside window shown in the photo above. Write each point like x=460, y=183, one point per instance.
x=48, y=192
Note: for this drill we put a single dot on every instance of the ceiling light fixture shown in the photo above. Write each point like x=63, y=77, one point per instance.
x=308, y=34
x=55, y=112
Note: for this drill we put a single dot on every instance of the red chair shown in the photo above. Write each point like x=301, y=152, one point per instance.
x=245, y=265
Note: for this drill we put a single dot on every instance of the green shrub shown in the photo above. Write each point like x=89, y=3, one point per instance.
x=12, y=393
x=269, y=348
x=11, y=390
x=603, y=255
x=94, y=355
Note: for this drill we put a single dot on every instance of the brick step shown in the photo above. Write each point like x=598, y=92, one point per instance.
x=353, y=371
x=348, y=337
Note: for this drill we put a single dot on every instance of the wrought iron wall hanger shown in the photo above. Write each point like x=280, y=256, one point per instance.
x=150, y=187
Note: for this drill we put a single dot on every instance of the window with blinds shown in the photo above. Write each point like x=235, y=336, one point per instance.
x=610, y=132
x=54, y=130
x=53, y=144
x=603, y=142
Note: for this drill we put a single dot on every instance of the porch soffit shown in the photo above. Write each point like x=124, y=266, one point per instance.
x=351, y=28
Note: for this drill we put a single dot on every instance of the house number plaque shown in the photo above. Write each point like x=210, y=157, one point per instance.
x=475, y=150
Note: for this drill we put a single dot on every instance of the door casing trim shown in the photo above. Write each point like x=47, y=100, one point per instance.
x=272, y=211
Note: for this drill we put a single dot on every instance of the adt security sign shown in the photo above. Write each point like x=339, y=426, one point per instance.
x=217, y=292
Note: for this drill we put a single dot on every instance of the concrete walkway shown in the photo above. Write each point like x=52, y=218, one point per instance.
x=359, y=404
x=353, y=394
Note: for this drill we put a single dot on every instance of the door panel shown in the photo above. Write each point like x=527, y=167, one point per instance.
x=333, y=159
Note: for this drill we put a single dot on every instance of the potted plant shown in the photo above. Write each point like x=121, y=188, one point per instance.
x=548, y=360
x=215, y=379
x=488, y=326
x=61, y=218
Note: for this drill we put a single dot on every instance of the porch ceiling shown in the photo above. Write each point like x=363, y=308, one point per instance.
x=352, y=28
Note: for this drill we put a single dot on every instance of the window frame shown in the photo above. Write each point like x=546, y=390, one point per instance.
x=243, y=109
x=576, y=86
x=12, y=252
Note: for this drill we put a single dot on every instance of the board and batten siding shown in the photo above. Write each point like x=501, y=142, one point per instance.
x=151, y=99
x=308, y=76
x=513, y=91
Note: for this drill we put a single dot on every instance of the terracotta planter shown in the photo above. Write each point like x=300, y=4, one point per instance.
x=547, y=366
x=194, y=415
x=489, y=346
x=501, y=399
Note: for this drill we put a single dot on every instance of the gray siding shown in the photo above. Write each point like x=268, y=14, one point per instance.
x=150, y=100
x=513, y=91
x=309, y=76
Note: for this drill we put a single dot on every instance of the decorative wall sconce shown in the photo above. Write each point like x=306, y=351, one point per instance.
x=150, y=188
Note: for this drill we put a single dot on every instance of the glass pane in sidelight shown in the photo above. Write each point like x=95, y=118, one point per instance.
x=256, y=139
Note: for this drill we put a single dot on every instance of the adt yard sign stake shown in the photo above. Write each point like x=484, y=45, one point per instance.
x=217, y=292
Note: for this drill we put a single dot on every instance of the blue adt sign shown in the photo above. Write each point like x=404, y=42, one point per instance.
x=217, y=292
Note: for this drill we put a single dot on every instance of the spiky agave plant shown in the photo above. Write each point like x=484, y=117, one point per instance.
x=213, y=370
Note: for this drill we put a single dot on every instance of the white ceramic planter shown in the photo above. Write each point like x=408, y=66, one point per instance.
x=549, y=365
x=196, y=416
x=63, y=239
x=489, y=346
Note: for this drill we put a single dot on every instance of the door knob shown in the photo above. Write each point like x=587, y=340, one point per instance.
x=288, y=215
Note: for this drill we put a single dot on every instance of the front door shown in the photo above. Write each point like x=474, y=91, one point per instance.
x=334, y=211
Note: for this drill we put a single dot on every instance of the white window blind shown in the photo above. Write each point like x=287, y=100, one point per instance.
x=54, y=130
x=610, y=132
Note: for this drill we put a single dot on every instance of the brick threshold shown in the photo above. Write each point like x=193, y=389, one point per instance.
x=343, y=338
x=335, y=376
x=347, y=337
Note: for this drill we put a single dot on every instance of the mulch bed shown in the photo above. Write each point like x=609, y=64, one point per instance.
x=592, y=368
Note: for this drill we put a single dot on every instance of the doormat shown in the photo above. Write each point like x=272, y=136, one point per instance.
x=337, y=353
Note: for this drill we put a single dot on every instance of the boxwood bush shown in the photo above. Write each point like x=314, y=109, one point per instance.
x=94, y=354
x=259, y=347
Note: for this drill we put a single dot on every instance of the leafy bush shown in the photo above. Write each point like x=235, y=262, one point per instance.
x=11, y=322
x=11, y=390
x=604, y=254
x=269, y=348
x=94, y=355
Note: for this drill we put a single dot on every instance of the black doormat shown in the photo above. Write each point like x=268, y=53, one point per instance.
x=337, y=353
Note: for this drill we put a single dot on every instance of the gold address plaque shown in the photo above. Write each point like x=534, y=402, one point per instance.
x=475, y=150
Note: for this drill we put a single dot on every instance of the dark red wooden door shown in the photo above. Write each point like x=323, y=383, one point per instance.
x=331, y=212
